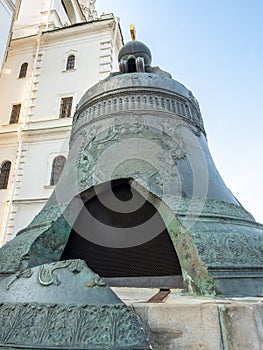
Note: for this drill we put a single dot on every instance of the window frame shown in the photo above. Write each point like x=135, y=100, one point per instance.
x=63, y=113
x=66, y=55
x=5, y=176
x=69, y=66
x=15, y=114
x=23, y=70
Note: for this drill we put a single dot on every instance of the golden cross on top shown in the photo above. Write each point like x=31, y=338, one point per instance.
x=133, y=32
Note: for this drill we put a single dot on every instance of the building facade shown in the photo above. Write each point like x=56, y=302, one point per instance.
x=57, y=51
x=7, y=13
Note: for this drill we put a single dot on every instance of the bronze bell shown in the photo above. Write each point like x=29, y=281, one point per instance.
x=140, y=199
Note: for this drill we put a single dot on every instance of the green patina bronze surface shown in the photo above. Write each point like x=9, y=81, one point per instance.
x=143, y=126
x=65, y=305
x=224, y=237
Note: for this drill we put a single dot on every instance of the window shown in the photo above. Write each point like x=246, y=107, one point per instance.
x=65, y=107
x=4, y=174
x=70, y=62
x=15, y=113
x=57, y=167
x=23, y=70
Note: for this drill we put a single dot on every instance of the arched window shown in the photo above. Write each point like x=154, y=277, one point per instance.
x=57, y=167
x=4, y=174
x=23, y=70
x=70, y=62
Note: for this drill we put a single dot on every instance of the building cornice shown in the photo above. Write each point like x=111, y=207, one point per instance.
x=30, y=200
x=36, y=133
x=77, y=27
x=57, y=133
x=92, y=27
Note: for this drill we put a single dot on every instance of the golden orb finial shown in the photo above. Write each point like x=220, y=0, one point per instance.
x=133, y=32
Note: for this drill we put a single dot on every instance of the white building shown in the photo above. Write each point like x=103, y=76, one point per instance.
x=58, y=50
x=7, y=13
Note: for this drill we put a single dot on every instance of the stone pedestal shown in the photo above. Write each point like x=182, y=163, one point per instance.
x=184, y=322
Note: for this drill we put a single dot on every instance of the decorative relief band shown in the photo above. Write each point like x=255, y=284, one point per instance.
x=170, y=143
x=139, y=100
x=70, y=327
x=227, y=247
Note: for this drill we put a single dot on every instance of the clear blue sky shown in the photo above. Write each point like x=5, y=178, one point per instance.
x=215, y=48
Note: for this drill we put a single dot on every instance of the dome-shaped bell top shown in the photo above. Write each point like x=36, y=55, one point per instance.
x=137, y=49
